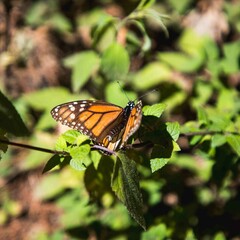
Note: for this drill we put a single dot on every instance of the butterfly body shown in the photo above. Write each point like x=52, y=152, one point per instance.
x=107, y=125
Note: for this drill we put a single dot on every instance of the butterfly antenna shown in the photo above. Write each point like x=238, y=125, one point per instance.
x=123, y=91
x=145, y=94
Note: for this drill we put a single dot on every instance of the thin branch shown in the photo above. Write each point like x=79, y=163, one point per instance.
x=32, y=147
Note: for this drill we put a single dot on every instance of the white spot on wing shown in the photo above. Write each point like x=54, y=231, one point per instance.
x=72, y=108
x=72, y=116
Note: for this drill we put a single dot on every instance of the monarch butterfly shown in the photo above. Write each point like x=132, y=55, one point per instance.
x=108, y=126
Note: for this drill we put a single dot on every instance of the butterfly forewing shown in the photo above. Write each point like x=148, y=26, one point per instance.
x=88, y=117
x=108, y=125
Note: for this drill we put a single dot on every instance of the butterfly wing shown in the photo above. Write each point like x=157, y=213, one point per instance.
x=130, y=122
x=108, y=125
x=133, y=122
x=92, y=118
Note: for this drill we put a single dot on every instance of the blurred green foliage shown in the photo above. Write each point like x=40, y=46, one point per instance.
x=187, y=193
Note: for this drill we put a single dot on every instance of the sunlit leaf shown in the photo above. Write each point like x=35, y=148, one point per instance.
x=78, y=164
x=173, y=129
x=115, y=62
x=61, y=144
x=151, y=75
x=80, y=158
x=60, y=22
x=84, y=65
x=157, y=17
x=147, y=41
x=230, y=63
x=180, y=61
x=113, y=89
x=47, y=98
x=202, y=116
x=154, y=110
x=79, y=152
x=145, y=4
x=71, y=135
x=234, y=142
x=218, y=140
x=160, y=231
x=102, y=26
x=158, y=163
x=117, y=218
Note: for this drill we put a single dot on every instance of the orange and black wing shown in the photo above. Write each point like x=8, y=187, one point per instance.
x=92, y=118
x=133, y=123
x=130, y=122
x=109, y=126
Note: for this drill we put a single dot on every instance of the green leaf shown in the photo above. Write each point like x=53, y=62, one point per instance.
x=154, y=110
x=151, y=75
x=60, y=22
x=158, y=163
x=218, y=140
x=113, y=89
x=79, y=152
x=230, y=63
x=160, y=231
x=234, y=142
x=220, y=236
x=52, y=162
x=80, y=157
x=181, y=61
x=176, y=147
x=145, y=4
x=146, y=39
x=125, y=183
x=84, y=65
x=115, y=62
x=227, y=101
x=70, y=136
x=35, y=14
x=173, y=129
x=157, y=17
x=74, y=137
x=204, y=91
x=192, y=44
x=95, y=156
x=219, y=121
x=116, y=218
x=202, y=116
x=78, y=164
x=61, y=144
x=104, y=24
x=47, y=98
x=10, y=120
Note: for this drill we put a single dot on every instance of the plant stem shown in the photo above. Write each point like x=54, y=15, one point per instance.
x=32, y=147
